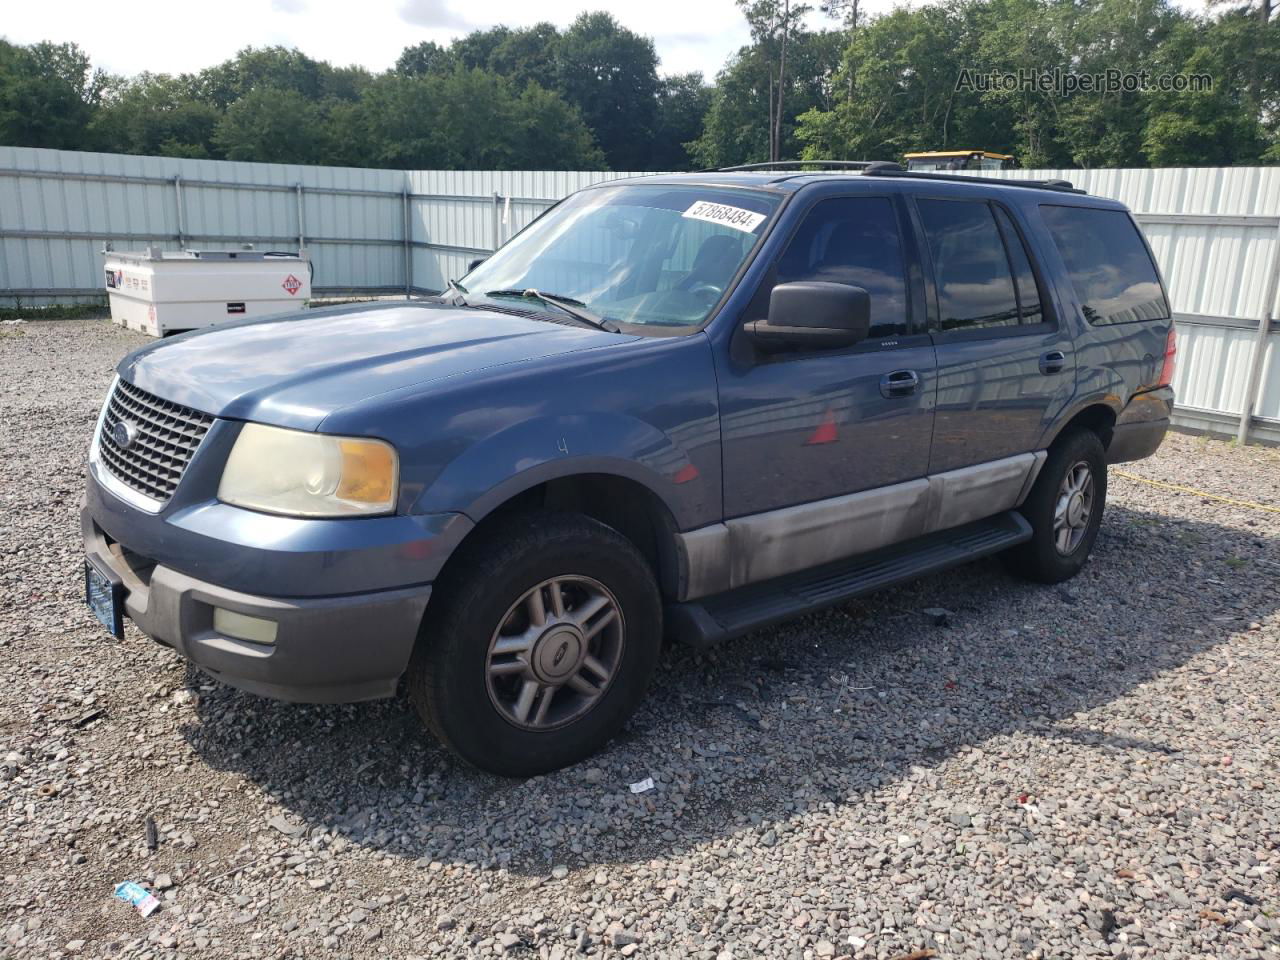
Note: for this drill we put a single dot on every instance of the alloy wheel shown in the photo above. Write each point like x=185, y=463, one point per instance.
x=555, y=652
x=1074, y=508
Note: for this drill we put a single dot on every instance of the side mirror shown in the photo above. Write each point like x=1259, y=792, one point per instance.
x=813, y=314
x=475, y=263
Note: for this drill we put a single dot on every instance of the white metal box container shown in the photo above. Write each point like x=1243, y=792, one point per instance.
x=160, y=292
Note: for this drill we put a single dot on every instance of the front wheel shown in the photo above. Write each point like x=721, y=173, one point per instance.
x=1064, y=509
x=546, y=634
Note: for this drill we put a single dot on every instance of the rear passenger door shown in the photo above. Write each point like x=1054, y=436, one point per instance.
x=1005, y=364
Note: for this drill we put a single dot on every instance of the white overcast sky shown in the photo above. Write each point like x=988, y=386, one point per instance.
x=173, y=37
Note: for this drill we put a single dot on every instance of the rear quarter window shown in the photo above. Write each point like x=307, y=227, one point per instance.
x=1108, y=264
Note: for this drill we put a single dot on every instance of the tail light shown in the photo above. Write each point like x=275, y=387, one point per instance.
x=1170, y=356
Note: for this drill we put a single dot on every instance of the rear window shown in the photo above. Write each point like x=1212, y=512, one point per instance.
x=1110, y=269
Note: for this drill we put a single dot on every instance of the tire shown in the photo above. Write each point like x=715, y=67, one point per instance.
x=1052, y=555
x=482, y=644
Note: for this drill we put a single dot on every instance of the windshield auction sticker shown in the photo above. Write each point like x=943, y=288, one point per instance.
x=725, y=215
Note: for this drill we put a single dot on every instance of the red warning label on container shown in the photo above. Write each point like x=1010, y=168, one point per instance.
x=292, y=284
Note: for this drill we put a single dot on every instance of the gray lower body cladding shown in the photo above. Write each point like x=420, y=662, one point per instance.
x=745, y=550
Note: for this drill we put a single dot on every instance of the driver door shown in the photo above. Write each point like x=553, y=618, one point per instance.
x=803, y=431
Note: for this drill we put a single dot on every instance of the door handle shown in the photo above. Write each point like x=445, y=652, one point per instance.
x=1052, y=362
x=900, y=383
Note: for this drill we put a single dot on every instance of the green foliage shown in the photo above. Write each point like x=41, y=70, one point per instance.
x=683, y=101
x=154, y=114
x=899, y=79
x=467, y=119
x=277, y=68
x=1222, y=125
x=611, y=75
x=47, y=95
x=270, y=124
x=425, y=57
x=590, y=95
x=736, y=127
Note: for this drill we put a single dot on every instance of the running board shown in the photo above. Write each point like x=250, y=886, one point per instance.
x=703, y=622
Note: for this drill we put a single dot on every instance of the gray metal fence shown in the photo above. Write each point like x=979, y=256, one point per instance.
x=367, y=231
x=1215, y=231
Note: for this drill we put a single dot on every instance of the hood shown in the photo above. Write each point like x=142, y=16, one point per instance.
x=296, y=369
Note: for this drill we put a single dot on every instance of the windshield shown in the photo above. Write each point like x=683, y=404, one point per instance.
x=656, y=254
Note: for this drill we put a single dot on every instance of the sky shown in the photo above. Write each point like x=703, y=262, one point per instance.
x=167, y=36
x=172, y=37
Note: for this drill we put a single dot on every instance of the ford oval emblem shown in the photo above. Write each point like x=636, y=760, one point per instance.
x=124, y=434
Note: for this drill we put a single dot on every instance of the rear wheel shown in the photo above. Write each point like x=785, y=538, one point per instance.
x=1064, y=509
x=539, y=644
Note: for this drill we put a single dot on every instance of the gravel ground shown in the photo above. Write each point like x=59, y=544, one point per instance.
x=1083, y=771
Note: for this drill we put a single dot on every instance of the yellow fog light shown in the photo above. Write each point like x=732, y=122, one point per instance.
x=240, y=626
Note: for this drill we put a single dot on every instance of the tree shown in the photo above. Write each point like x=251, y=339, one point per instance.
x=899, y=79
x=611, y=75
x=551, y=135
x=1220, y=125
x=845, y=11
x=538, y=97
x=683, y=101
x=425, y=57
x=528, y=56
x=772, y=24
x=271, y=125
x=1006, y=36
x=738, y=122
x=475, y=51
x=469, y=119
x=155, y=114
x=277, y=68
x=48, y=93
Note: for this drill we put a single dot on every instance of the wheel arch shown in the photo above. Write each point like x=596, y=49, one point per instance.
x=615, y=498
x=1098, y=415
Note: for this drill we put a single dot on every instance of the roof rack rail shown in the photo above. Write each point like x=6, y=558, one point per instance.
x=796, y=164
x=886, y=170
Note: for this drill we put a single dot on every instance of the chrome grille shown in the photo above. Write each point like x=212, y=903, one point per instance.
x=166, y=438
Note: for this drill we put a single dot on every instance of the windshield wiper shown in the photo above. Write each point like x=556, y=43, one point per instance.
x=575, y=308
x=459, y=292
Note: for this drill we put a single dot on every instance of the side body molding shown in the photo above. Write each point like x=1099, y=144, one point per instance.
x=751, y=549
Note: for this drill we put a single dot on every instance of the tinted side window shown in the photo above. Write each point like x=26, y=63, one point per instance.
x=1110, y=269
x=975, y=287
x=854, y=240
x=1024, y=277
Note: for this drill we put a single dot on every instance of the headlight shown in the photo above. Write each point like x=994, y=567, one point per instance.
x=309, y=474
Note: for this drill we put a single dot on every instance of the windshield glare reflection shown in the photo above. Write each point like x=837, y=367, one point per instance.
x=656, y=255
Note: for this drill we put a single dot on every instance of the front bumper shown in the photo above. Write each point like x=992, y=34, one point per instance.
x=327, y=649
x=347, y=596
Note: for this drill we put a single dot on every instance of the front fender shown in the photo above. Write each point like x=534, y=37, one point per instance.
x=506, y=463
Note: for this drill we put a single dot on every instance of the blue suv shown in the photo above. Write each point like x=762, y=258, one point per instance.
x=685, y=406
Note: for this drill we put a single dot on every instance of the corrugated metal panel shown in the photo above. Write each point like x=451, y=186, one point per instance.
x=1213, y=367
x=57, y=208
x=354, y=237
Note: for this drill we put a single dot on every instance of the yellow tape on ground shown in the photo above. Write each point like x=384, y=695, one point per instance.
x=1199, y=493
